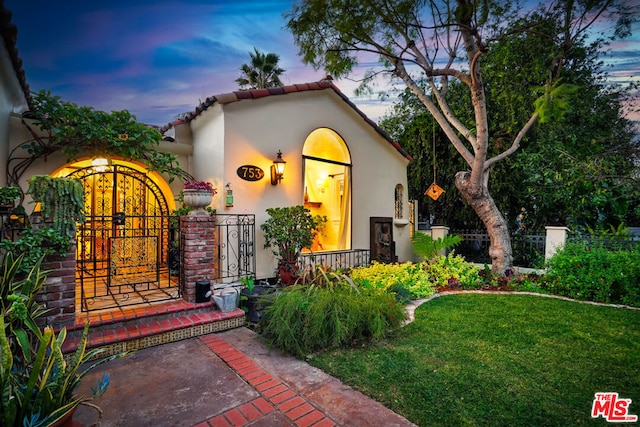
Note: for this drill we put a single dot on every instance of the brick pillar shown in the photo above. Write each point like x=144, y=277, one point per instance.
x=197, y=234
x=58, y=293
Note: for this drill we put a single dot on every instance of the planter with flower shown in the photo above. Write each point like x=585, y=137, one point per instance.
x=198, y=195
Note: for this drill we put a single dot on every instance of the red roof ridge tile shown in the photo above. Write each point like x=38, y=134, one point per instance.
x=326, y=83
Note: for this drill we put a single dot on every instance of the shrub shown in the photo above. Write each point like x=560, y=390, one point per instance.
x=302, y=319
x=421, y=279
x=407, y=275
x=444, y=269
x=596, y=274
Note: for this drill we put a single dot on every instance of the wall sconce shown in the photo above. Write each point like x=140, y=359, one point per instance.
x=277, y=169
x=229, y=196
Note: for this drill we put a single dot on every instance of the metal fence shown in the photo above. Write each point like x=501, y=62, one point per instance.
x=610, y=243
x=528, y=249
x=336, y=260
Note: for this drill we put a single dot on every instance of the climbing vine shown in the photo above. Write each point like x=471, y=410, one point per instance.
x=56, y=125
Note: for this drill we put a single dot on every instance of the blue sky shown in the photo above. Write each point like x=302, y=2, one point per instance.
x=160, y=58
x=153, y=58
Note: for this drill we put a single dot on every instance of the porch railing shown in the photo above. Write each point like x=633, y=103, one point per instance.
x=336, y=260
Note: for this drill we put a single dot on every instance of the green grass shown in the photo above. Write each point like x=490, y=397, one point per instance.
x=498, y=360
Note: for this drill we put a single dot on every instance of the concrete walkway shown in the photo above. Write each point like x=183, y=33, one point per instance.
x=226, y=379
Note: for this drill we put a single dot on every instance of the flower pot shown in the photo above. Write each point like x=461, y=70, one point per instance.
x=251, y=302
x=197, y=199
x=287, y=272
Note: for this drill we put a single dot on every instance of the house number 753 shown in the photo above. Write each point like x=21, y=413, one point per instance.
x=250, y=173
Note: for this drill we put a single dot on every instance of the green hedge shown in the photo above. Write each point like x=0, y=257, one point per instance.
x=596, y=274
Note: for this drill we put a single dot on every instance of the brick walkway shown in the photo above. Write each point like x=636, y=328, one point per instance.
x=275, y=395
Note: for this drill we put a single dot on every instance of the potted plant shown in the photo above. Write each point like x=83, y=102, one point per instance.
x=250, y=297
x=287, y=231
x=37, y=381
x=197, y=195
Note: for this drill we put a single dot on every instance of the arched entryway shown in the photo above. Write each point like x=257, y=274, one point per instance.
x=124, y=254
x=327, y=186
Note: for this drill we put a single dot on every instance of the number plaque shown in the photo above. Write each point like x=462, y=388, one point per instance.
x=250, y=173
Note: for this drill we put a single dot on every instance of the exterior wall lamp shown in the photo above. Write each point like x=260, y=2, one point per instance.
x=277, y=169
x=100, y=164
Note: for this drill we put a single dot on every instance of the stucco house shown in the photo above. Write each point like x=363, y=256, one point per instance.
x=338, y=163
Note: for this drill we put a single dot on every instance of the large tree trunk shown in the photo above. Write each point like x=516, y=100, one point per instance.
x=478, y=197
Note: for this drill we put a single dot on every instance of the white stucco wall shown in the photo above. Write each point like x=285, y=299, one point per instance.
x=207, y=161
x=254, y=130
x=12, y=103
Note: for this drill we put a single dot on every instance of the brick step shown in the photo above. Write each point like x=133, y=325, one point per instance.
x=136, y=327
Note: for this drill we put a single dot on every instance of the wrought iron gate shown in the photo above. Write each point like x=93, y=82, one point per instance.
x=234, y=253
x=123, y=254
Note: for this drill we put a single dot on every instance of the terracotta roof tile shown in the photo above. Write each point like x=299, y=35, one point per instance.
x=226, y=98
x=276, y=90
x=244, y=94
x=260, y=93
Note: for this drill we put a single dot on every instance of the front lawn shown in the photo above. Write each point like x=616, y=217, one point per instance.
x=498, y=360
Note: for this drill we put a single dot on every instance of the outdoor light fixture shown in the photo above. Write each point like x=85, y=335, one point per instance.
x=100, y=164
x=229, y=196
x=277, y=169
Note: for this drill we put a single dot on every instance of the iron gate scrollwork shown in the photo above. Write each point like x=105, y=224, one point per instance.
x=124, y=244
x=235, y=246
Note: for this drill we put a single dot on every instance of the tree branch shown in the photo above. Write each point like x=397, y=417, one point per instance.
x=515, y=145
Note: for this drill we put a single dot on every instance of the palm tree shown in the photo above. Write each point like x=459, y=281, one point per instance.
x=262, y=73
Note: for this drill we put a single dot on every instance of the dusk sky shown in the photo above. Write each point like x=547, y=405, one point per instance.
x=158, y=59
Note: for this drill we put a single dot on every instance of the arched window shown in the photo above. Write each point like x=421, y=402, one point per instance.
x=399, y=195
x=327, y=187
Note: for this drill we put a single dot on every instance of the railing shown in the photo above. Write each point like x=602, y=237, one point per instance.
x=528, y=249
x=235, y=247
x=336, y=260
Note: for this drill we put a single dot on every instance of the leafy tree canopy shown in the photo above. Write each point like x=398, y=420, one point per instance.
x=445, y=41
